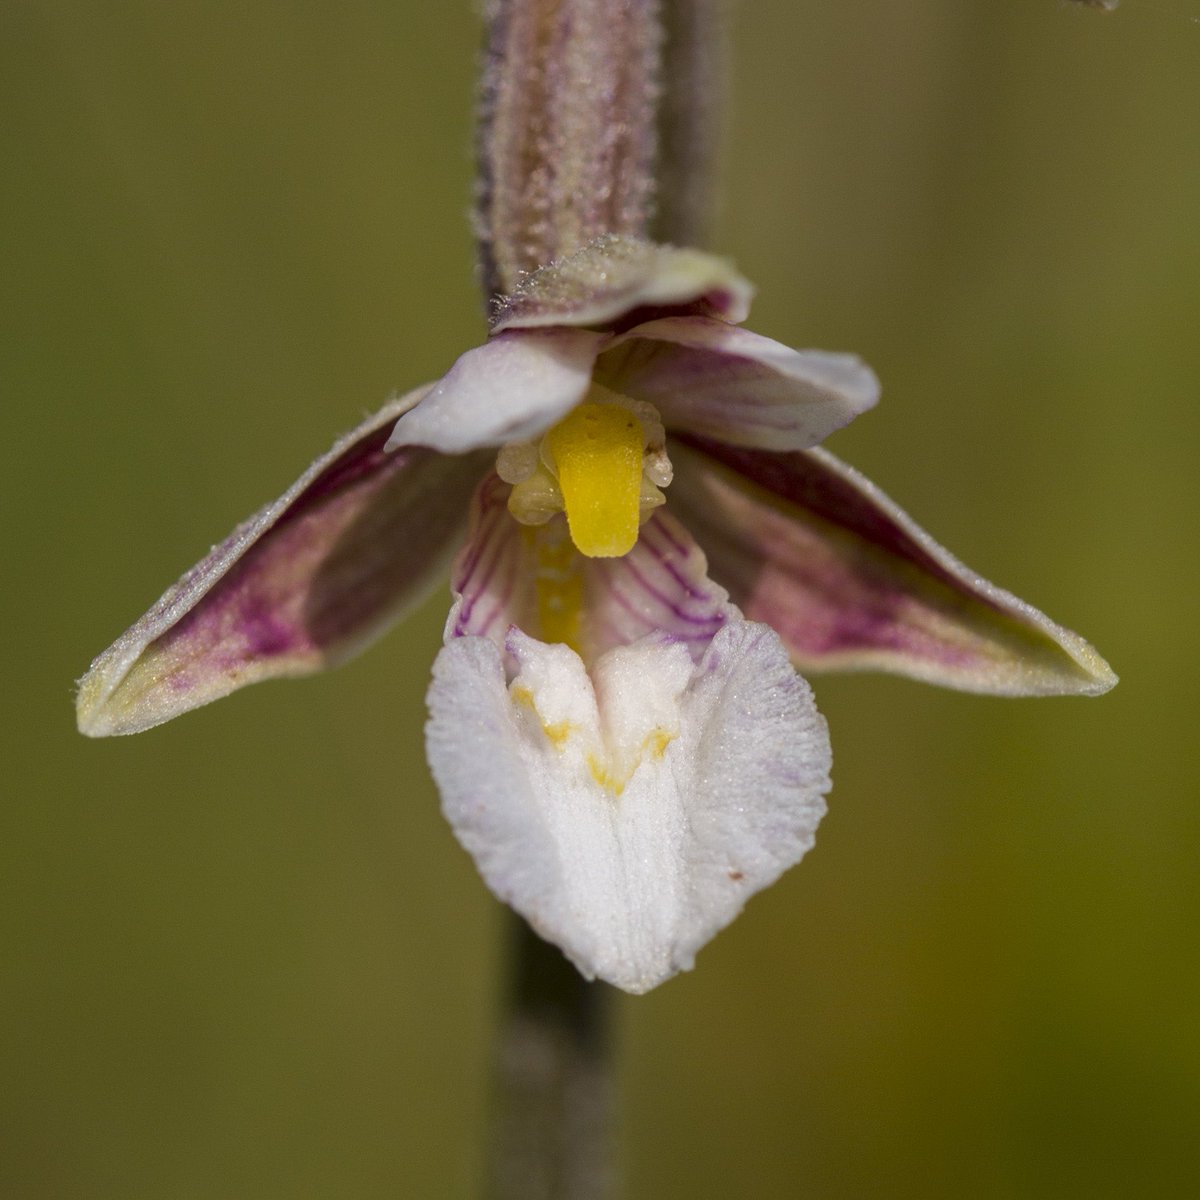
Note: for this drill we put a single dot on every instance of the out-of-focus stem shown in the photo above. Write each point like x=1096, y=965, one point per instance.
x=552, y=1114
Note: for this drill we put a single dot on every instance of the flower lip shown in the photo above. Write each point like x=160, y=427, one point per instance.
x=628, y=808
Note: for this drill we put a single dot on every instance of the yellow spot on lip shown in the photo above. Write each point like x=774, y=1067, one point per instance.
x=558, y=733
x=601, y=774
x=654, y=746
x=597, y=451
x=656, y=743
x=609, y=771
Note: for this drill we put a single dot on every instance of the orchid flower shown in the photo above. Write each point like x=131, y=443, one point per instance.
x=653, y=544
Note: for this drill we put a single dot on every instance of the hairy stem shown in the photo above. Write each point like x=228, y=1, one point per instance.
x=567, y=129
x=595, y=117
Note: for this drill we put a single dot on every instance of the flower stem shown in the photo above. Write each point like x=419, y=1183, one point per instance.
x=552, y=1115
x=595, y=118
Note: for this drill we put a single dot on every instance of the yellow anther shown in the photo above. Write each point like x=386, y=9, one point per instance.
x=597, y=452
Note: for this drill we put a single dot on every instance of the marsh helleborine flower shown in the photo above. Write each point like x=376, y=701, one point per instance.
x=653, y=544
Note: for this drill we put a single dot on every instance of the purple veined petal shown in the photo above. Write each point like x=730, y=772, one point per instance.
x=629, y=808
x=812, y=547
x=661, y=586
x=304, y=584
x=511, y=575
x=614, y=278
x=494, y=576
x=722, y=382
x=511, y=388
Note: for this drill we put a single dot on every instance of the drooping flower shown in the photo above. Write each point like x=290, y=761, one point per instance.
x=653, y=543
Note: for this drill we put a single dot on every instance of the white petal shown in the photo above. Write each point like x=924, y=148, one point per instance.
x=513, y=387
x=715, y=379
x=629, y=815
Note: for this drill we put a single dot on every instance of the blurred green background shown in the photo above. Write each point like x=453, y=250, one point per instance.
x=243, y=956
